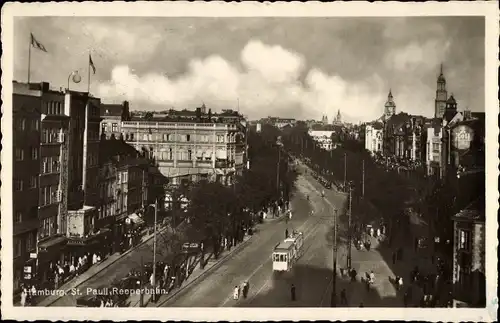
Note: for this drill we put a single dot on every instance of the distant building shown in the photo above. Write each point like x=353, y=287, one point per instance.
x=374, y=134
x=323, y=138
x=390, y=107
x=279, y=122
x=192, y=148
x=338, y=119
x=112, y=115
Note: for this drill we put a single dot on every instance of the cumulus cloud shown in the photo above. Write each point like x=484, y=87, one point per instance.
x=416, y=55
x=268, y=80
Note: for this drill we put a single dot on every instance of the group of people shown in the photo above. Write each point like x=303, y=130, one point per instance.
x=241, y=290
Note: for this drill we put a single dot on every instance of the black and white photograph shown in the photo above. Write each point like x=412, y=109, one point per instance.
x=251, y=156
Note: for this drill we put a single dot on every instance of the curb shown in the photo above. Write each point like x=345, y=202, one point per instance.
x=206, y=272
x=103, y=268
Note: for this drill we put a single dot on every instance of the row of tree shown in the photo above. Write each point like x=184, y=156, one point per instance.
x=389, y=192
x=217, y=213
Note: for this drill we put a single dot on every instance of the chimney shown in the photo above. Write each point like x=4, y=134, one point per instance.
x=45, y=86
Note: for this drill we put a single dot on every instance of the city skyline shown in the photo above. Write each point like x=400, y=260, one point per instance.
x=160, y=63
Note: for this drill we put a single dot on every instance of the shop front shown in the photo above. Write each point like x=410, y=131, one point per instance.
x=99, y=243
x=51, y=252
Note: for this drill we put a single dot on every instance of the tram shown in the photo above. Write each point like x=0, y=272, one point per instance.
x=287, y=252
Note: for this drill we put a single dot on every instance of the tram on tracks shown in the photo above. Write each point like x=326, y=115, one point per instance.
x=287, y=252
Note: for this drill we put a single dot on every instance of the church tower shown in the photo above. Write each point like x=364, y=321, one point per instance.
x=441, y=96
x=339, y=117
x=390, y=106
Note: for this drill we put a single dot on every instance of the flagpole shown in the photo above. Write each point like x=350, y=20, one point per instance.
x=88, y=88
x=29, y=60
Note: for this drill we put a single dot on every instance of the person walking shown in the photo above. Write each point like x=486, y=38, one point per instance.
x=292, y=292
x=343, y=297
x=24, y=295
x=236, y=293
x=246, y=287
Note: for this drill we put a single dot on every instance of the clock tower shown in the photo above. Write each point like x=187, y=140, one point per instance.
x=441, y=96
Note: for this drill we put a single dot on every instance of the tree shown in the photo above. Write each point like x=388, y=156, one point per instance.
x=148, y=115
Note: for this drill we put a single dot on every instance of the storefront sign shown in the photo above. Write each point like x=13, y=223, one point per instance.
x=462, y=137
x=190, y=247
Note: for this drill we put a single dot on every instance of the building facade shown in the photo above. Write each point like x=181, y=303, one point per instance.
x=323, y=138
x=112, y=115
x=26, y=106
x=469, y=259
x=374, y=135
x=189, y=151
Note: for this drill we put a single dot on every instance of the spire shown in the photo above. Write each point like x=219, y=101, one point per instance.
x=441, y=71
x=390, y=94
x=441, y=78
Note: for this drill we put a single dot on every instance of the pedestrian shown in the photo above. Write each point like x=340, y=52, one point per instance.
x=292, y=292
x=378, y=232
x=236, y=293
x=405, y=299
x=371, y=231
x=353, y=275
x=286, y=233
x=400, y=283
x=24, y=295
x=343, y=297
x=416, y=244
x=393, y=257
x=246, y=286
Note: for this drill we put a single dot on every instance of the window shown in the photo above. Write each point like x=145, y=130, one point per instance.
x=30, y=242
x=35, y=124
x=18, y=246
x=21, y=124
x=33, y=181
x=48, y=227
x=114, y=127
x=18, y=217
x=19, y=154
x=190, y=154
x=34, y=153
x=435, y=147
x=464, y=240
x=188, y=137
x=18, y=185
x=131, y=136
x=165, y=137
x=145, y=137
x=55, y=165
x=170, y=154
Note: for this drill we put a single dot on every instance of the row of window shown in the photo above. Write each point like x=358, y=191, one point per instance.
x=51, y=136
x=105, y=127
x=24, y=244
x=181, y=138
x=53, y=107
x=92, y=159
x=20, y=156
x=49, y=195
x=22, y=124
x=20, y=185
x=50, y=165
x=48, y=227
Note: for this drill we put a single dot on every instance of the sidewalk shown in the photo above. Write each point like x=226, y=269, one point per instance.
x=197, y=274
x=93, y=270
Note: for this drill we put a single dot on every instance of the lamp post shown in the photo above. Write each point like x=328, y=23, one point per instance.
x=334, y=273
x=75, y=77
x=155, y=205
x=349, y=240
x=345, y=169
x=279, y=144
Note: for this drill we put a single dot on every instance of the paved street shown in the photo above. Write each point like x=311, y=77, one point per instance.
x=119, y=269
x=310, y=275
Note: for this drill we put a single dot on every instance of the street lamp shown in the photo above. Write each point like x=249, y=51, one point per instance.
x=155, y=205
x=75, y=77
x=279, y=144
x=334, y=273
x=349, y=228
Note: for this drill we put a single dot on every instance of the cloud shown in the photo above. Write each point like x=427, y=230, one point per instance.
x=416, y=55
x=266, y=81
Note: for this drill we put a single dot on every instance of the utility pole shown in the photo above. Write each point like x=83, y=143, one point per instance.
x=345, y=169
x=141, y=282
x=349, y=247
x=334, y=277
x=363, y=187
x=278, y=170
x=154, y=251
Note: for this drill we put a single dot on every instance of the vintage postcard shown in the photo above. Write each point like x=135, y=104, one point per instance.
x=249, y=161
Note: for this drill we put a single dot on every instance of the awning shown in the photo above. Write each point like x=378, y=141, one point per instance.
x=43, y=246
x=134, y=218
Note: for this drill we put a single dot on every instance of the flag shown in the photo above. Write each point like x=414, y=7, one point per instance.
x=36, y=44
x=91, y=63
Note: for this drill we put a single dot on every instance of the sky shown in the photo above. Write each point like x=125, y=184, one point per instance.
x=288, y=67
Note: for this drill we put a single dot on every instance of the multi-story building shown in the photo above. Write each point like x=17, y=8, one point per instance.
x=188, y=145
x=469, y=259
x=26, y=106
x=323, y=138
x=112, y=115
x=83, y=225
x=374, y=134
